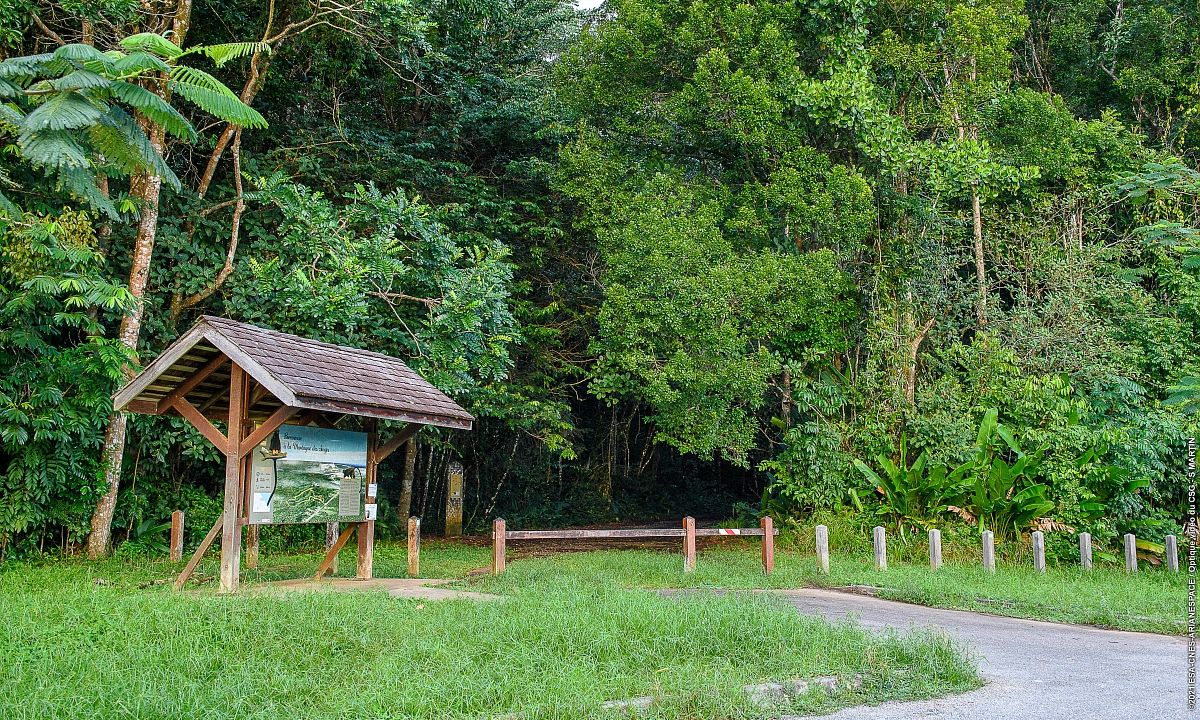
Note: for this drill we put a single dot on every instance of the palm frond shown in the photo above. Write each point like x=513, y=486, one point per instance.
x=223, y=53
x=154, y=108
x=211, y=95
x=138, y=62
x=152, y=43
x=63, y=111
x=53, y=148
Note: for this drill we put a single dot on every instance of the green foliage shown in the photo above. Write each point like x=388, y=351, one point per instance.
x=66, y=110
x=59, y=374
x=914, y=496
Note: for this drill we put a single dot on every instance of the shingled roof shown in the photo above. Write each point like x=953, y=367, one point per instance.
x=289, y=370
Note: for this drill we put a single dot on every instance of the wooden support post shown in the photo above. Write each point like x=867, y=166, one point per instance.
x=498, y=546
x=1085, y=551
x=252, y=546
x=988, y=542
x=414, y=547
x=768, y=544
x=454, y=500
x=332, y=553
x=689, y=544
x=231, y=530
x=823, y=549
x=366, y=530
x=1130, y=553
x=177, y=536
x=879, y=540
x=332, y=531
x=204, y=545
x=1039, y=551
x=1172, y=551
x=935, y=549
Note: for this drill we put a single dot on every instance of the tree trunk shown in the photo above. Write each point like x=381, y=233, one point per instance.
x=146, y=188
x=406, y=483
x=980, y=269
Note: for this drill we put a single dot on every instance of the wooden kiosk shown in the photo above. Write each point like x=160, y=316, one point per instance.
x=253, y=381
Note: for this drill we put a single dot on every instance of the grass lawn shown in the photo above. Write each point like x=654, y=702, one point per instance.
x=111, y=640
x=1151, y=601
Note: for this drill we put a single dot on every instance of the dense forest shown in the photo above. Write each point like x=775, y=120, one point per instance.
x=912, y=262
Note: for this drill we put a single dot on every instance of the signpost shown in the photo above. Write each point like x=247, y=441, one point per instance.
x=253, y=381
x=454, y=500
x=309, y=475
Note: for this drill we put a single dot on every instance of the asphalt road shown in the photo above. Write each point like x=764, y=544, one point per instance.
x=1033, y=669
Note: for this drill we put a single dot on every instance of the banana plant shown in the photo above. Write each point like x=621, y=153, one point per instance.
x=76, y=112
x=1004, y=497
x=914, y=496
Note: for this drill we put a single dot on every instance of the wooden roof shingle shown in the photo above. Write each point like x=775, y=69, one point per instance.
x=299, y=372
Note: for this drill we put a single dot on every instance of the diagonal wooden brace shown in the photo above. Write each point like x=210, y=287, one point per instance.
x=333, y=551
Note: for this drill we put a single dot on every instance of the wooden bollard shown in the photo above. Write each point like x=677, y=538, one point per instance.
x=768, y=545
x=1039, y=551
x=879, y=540
x=1172, y=552
x=935, y=549
x=498, y=546
x=251, y=546
x=332, y=532
x=177, y=536
x=414, y=547
x=1085, y=551
x=823, y=549
x=1130, y=553
x=689, y=544
x=988, y=541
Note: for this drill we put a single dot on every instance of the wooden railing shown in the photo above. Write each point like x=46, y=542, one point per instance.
x=689, y=532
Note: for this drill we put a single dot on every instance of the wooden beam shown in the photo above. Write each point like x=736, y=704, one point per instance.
x=332, y=554
x=201, y=423
x=191, y=566
x=190, y=384
x=399, y=439
x=366, y=533
x=268, y=426
x=142, y=407
x=231, y=533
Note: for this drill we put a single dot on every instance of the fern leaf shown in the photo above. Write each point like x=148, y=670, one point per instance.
x=11, y=114
x=78, y=55
x=223, y=53
x=52, y=148
x=24, y=68
x=152, y=43
x=8, y=209
x=9, y=89
x=211, y=95
x=154, y=108
x=64, y=111
x=82, y=184
x=137, y=63
x=134, y=142
x=77, y=80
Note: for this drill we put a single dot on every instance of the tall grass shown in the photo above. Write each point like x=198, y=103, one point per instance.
x=560, y=644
